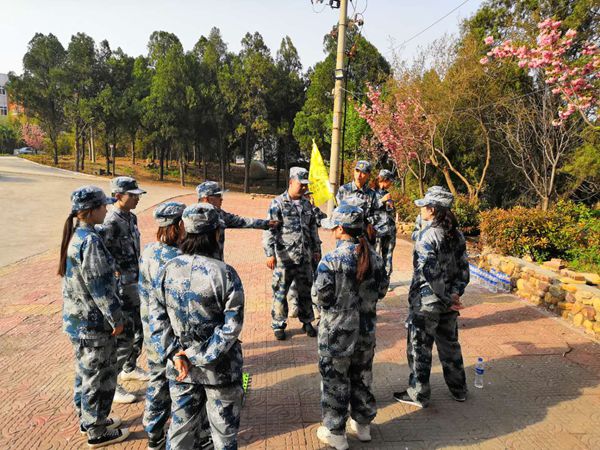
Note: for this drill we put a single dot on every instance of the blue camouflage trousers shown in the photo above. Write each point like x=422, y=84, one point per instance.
x=346, y=382
x=95, y=382
x=129, y=342
x=223, y=408
x=425, y=328
x=385, y=247
x=283, y=277
x=157, y=409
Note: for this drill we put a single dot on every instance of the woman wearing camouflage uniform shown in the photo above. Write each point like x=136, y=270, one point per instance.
x=158, y=402
x=441, y=274
x=198, y=315
x=349, y=282
x=92, y=315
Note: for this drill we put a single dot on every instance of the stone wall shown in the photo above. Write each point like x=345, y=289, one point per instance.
x=573, y=296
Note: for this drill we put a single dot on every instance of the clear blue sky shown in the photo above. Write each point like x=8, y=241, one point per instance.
x=129, y=23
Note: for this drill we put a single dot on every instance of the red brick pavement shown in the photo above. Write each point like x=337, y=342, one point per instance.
x=542, y=383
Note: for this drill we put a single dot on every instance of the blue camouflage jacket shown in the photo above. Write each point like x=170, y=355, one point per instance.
x=234, y=221
x=347, y=307
x=199, y=307
x=384, y=219
x=364, y=198
x=91, y=307
x=153, y=258
x=440, y=269
x=122, y=238
x=297, y=239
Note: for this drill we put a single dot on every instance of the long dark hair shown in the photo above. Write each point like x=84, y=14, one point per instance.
x=205, y=244
x=444, y=218
x=169, y=234
x=363, y=264
x=68, y=230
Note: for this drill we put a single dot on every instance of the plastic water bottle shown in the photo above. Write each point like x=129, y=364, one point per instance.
x=479, y=370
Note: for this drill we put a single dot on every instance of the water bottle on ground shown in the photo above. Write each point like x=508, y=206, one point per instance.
x=479, y=369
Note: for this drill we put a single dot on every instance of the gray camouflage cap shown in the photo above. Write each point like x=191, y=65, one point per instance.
x=436, y=196
x=363, y=166
x=167, y=213
x=346, y=215
x=201, y=218
x=89, y=197
x=386, y=174
x=208, y=189
x=300, y=174
x=125, y=185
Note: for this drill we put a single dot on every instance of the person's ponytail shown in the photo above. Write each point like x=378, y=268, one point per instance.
x=363, y=263
x=64, y=245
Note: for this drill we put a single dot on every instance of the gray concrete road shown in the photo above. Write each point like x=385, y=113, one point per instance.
x=35, y=201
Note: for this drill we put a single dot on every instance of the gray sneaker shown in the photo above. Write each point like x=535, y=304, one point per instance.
x=137, y=374
x=111, y=423
x=123, y=396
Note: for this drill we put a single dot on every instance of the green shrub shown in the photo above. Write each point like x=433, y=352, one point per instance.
x=468, y=215
x=569, y=231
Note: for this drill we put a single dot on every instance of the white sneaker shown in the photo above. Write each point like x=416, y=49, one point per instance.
x=123, y=396
x=363, y=432
x=337, y=441
x=137, y=374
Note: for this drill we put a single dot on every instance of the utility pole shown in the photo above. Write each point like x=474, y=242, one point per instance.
x=338, y=100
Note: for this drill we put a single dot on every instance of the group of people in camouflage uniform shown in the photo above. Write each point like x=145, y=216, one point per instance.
x=186, y=305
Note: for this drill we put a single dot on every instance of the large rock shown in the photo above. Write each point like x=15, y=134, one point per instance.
x=592, y=278
x=258, y=170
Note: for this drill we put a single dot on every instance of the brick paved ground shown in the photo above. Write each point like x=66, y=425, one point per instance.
x=542, y=383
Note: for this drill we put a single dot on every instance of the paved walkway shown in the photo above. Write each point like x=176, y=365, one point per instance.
x=35, y=201
x=542, y=386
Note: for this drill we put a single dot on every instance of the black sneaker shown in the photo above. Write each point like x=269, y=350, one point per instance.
x=459, y=397
x=206, y=443
x=157, y=444
x=109, y=438
x=309, y=330
x=110, y=424
x=279, y=334
x=403, y=397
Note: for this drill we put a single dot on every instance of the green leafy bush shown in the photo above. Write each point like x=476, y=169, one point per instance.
x=468, y=215
x=570, y=231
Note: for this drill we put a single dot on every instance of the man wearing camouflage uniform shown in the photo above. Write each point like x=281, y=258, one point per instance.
x=198, y=316
x=122, y=238
x=385, y=223
x=441, y=274
x=347, y=329
x=292, y=296
x=290, y=250
x=211, y=192
x=358, y=193
x=92, y=317
x=158, y=401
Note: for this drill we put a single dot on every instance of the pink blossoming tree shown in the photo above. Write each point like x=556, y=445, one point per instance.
x=575, y=80
x=399, y=125
x=33, y=135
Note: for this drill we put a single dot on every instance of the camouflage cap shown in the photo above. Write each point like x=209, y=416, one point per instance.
x=201, y=218
x=300, y=174
x=125, y=185
x=209, y=188
x=165, y=214
x=385, y=174
x=345, y=215
x=363, y=166
x=89, y=197
x=436, y=196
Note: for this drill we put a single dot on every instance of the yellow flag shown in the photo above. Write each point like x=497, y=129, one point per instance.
x=318, y=177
